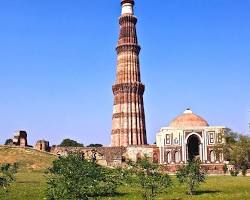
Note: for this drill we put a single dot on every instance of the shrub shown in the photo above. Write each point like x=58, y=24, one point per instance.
x=7, y=175
x=191, y=175
x=75, y=178
x=148, y=176
x=234, y=172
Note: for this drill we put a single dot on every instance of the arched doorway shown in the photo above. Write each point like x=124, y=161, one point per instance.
x=193, y=147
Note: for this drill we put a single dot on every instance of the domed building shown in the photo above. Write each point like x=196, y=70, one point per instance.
x=189, y=136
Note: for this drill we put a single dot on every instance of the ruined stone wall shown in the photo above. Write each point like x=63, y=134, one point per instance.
x=106, y=156
x=42, y=145
x=134, y=153
x=117, y=156
x=111, y=156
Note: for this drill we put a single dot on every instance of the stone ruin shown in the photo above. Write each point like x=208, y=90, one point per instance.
x=110, y=156
x=20, y=139
x=42, y=145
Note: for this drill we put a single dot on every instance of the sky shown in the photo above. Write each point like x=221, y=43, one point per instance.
x=58, y=62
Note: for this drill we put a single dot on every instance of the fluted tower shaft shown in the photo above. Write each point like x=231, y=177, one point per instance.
x=128, y=123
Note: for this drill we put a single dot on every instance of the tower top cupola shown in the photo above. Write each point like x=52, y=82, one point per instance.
x=127, y=7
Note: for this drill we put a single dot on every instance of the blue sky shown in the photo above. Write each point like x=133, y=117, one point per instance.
x=58, y=60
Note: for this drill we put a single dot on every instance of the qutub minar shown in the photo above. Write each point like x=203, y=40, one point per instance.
x=186, y=137
x=128, y=123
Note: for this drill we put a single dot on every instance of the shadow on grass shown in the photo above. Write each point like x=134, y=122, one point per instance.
x=27, y=182
x=206, y=192
x=116, y=194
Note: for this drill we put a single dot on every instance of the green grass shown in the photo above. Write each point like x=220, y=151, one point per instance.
x=31, y=182
x=27, y=158
x=31, y=186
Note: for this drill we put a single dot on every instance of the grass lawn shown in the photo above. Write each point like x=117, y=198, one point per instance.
x=31, y=186
x=31, y=182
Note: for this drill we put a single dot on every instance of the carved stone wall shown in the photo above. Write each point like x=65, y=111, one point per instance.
x=128, y=122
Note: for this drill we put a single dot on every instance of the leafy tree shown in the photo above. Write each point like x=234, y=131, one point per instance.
x=95, y=145
x=7, y=175
x=8, y=141
x=241, y=152
x=149, y=177
x=237, y=150
x=230, y=136
x=191, y=175
x=70, y=143
x=75, y=178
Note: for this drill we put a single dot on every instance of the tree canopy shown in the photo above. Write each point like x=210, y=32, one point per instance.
x=95, y=145
x=70, y=143
x=236, y=150
x=73, y=177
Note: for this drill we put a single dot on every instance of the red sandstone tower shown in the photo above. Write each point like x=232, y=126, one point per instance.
x=128, y=124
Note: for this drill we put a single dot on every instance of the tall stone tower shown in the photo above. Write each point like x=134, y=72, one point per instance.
x=128, y=124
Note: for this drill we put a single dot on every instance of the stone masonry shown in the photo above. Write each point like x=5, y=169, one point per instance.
x=128, y=122
x=20, y=139
x=42, y=145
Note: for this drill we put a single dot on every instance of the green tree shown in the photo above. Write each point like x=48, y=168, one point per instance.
x=95, y=145
x=75, y=178
x=191, y=175
x=7, y=175
x=149, y=177
x=8, y=141
x=236, y=150
x=241, y=153
x=231, y=139
x=70, y=143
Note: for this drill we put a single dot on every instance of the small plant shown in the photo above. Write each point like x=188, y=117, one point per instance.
x=234, y=172
x=225, y=168
x=148, y=176
x=191, y=175
x=7, y=175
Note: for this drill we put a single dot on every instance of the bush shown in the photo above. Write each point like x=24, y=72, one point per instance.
x=148, y=176
x=191, y=175
x=234, y=172
x=7, y=175
x=75, y=178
